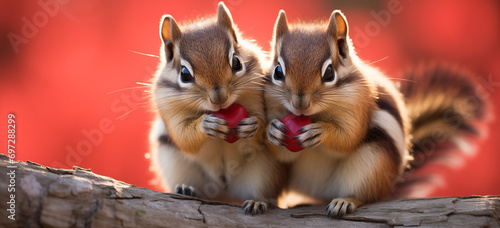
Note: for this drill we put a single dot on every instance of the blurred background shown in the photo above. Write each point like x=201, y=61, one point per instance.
x=68, y=71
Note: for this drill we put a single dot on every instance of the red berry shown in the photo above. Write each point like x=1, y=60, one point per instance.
x=233, y=115
x=294, y=123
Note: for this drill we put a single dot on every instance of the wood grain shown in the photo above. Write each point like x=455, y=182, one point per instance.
x=47, y=197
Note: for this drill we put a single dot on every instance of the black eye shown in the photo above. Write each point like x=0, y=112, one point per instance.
x=278, y=73
x=186, y=76
x=236, y=64
x=329, y=75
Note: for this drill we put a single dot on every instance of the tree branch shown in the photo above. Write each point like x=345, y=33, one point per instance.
x=47, y=197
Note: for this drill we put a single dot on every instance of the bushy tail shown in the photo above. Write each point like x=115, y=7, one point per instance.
x=448, y=117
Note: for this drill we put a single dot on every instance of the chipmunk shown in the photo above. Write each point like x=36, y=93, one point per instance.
x=359, y=143
x=206, y=65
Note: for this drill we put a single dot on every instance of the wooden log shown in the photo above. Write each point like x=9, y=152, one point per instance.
x=47, y=197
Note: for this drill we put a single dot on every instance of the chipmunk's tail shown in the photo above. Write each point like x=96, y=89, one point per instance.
x=448, y=115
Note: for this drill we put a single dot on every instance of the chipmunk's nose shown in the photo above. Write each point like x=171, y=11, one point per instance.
x=218, y=95
x=301, y=101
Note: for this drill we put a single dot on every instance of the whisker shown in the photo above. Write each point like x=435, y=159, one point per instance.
x=273, y=102
x=403, y=79
x=198, y=104
x=241, y=82
x=355, y=69
x=248, y=89
x=130, y=88
x=143, y=83
x=276, y=93
x=376, y=61
x=140, y=53
x=189, y=94
x=141, y=106
x=329, y=106
x=259, y=84
x=188, y=106
x=337, y=100
x=181, y=99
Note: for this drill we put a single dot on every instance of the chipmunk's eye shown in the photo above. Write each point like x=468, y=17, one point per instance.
x=329, y=74
x=186, y=76
x=236, y=64
x=278, y=73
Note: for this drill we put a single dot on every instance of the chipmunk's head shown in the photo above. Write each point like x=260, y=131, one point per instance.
x=203, y=67
x=312, y=68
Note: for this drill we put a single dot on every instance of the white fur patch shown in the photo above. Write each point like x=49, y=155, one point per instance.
x=324, y=177
x=391, y=126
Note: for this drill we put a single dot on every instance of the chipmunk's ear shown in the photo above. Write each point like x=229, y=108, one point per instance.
x=170, y=34
x=338, y=29
x=224, y=19
x=169, y=31
x=281, y=26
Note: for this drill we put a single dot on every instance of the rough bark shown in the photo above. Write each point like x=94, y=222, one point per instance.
x=47, y=197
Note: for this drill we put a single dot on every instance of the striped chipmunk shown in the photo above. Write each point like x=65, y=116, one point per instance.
x=364, y=132
x=206, y=66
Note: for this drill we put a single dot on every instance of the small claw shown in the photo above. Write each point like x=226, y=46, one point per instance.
x=340, y=207
x=185, y=190
x=279, y=125
x=247, y=206
x=215, y=127
x=248, y=121
x=247, y=127
x=275, y=141
x=251, y=207
x=350, y=208
x=178, y=190
x=214, y=119
x=275, y=133
x=189, y=191
x=341, y=210
x=310, y=136
x=300, y=131
x=262, y=208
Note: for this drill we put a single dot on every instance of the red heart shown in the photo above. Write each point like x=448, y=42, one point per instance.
x=233, y=115
x=294, y=123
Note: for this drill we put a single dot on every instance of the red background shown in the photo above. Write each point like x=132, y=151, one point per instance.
x=59, y=80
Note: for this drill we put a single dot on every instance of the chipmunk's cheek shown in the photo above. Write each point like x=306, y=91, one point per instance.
x=310, y=111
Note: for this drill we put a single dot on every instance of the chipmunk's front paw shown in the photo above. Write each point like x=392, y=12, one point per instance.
x=247, y=127
x=185, y=190
x=275, y=133
x=340, y=207
x=254, y=207
x=214, y=126
x=311, y=135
